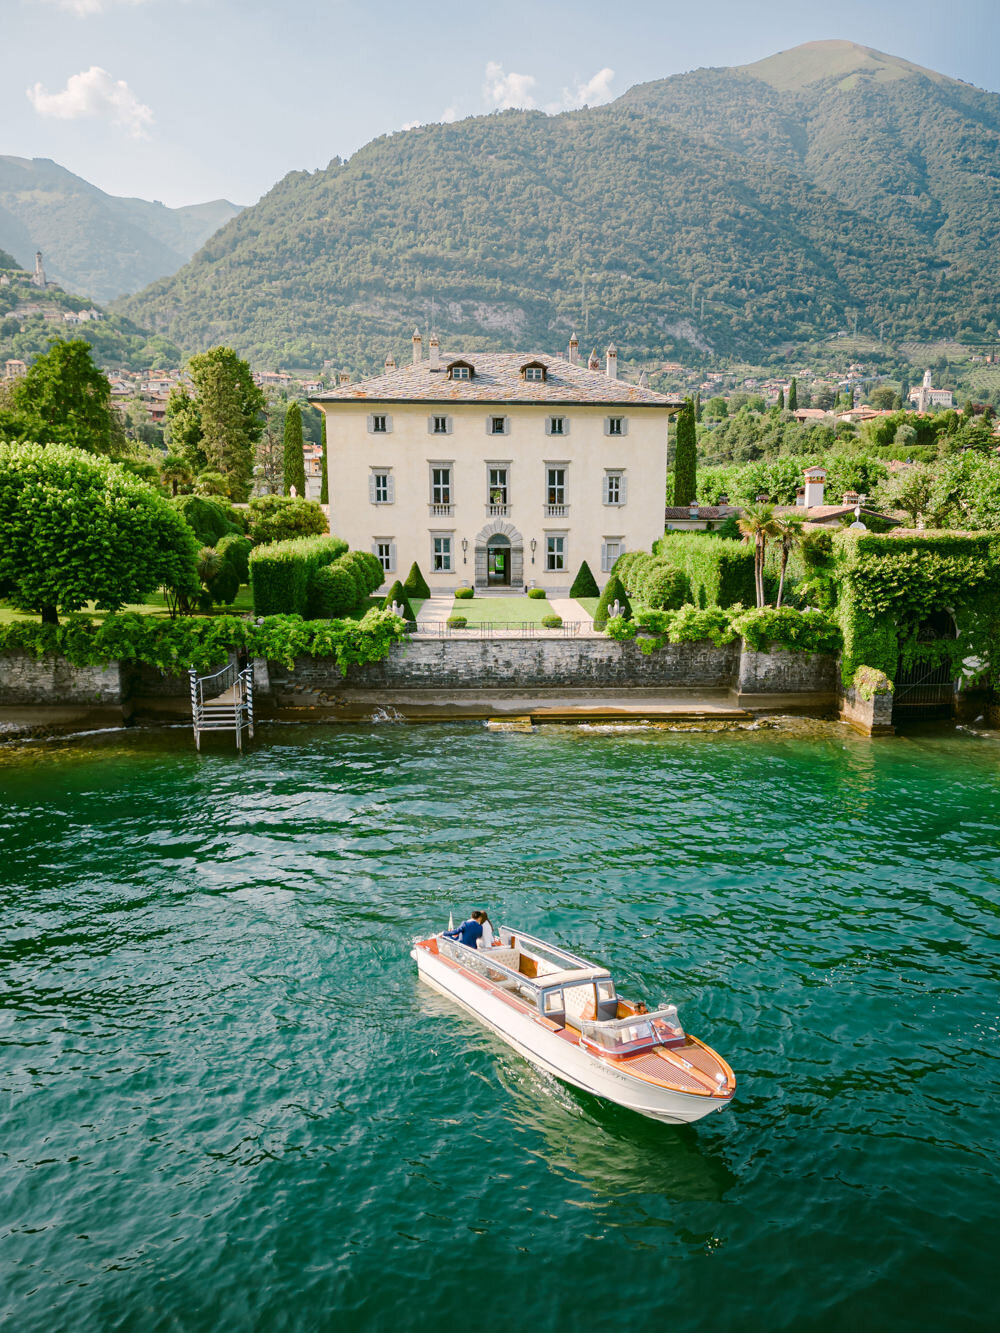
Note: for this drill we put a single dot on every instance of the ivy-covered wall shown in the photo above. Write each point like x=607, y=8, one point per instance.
x=882, y=587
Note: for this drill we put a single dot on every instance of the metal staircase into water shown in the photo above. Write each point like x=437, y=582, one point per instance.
x=222, y=701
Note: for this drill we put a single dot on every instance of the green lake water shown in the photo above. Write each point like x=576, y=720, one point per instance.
x=227, y=1103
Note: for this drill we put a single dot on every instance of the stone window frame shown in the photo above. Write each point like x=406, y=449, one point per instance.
x=373, y=474
x=561, y=534
x=620, y=473
x=385, y=418
x=389, y=568
x=623, y=426
x=491, y=420
x=508, y=466
x=550, y=429
x=448, y=535
x=434, y=418
x=562, y=465
x=607, y=563
x=435, y=464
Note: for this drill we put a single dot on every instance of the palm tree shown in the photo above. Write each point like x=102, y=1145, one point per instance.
x=788, y=530
x=757, y=523
x=174, y=472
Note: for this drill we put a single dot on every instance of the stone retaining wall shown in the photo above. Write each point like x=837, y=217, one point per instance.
x=29, y=680
x=783, y=672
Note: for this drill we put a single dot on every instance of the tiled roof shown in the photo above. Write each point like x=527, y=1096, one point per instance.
x=704, y=511
x=497, y=379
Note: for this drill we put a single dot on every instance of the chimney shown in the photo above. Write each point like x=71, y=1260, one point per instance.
x=574, y=350
x=344, y=378
x=800, y=496
x=612, y=363
x=594, y=363
x=815, y=479
x=435, y=352
x=418, y=349
x=851, y=498
x=390, y=362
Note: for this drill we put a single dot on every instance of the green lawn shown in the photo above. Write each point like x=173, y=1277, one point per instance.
x=589, y=604
x=503, y=610
x=156, y=605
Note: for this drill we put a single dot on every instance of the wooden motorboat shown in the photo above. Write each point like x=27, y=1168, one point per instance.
x=564, y=1014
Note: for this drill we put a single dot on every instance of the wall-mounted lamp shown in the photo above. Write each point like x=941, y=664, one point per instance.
x=465, y=547
x=534, y=543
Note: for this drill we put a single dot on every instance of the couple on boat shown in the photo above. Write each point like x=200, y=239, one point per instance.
x=476, y=932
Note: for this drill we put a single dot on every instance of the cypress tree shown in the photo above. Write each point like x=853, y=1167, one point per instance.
x=685, y=456
x=614, y=591
x=697, y=406
x=793, y=395
x=416, y=584
x=584, y=585
x=781, y=400
x=294, y=460
x=324, y=490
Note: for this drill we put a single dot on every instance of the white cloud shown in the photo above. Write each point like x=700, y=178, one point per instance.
x=412, y=124
x=449, y=115
x=594, y=92
x=94, y=93
x=506, y=90
x=84, y=8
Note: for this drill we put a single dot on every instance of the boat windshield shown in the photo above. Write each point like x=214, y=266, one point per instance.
x=638, y=1032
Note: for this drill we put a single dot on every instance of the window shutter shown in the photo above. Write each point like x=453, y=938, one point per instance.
x=391, y=488
x=371, y=487
x=392, y=557
x=623, y=489
x=607, y=489
x=604, y=557
x=388, y=423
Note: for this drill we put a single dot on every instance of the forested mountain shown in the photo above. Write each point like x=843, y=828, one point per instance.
x=729, y=210
x=93, y=243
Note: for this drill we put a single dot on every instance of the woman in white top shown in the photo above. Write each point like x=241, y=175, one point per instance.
x=486, y=939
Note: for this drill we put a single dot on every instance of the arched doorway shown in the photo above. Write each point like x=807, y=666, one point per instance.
x=498, y=561
x=925, y=686
x=499, y=556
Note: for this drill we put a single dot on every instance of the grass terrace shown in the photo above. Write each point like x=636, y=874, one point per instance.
x=155, y=605
x=503, y=610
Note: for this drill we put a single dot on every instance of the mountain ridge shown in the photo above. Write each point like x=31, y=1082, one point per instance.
x=44, y=206
x=649, y=220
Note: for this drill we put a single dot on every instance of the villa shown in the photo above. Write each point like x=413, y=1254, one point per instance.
x=496, y=469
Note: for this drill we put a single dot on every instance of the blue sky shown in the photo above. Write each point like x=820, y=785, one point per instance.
x=185, y=100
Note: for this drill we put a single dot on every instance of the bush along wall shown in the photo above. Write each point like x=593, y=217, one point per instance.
x=280, y=573
x=205, y=642
x=886, y=588
x=720, y=572
x=764, y=629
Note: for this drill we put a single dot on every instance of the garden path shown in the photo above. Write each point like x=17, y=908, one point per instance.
x=570, y=609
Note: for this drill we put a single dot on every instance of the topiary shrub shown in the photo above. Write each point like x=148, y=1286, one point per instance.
x=664, y=587
x=720, y=572
x=537, y=594
x=230, y=569
x=613, y=592
x=624, y=563
x=634, y=567
x=235, y=551
x=333, y=593
x=397, y=594
x=552, y=622
x=465, y=594
x=584, y=585
x=458, y=622
x=281, y=573
x=416, y=584
x=366, y=571
x=278, y=518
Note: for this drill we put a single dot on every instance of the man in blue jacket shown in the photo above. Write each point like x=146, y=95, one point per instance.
x=469, y=932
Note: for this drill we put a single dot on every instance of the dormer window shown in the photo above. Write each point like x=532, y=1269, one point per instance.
x=460, y=370
x=533, y=372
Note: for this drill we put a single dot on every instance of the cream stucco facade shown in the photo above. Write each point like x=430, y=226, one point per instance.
x=489, y=490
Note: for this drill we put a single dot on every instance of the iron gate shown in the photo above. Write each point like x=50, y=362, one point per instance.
x=923, y=689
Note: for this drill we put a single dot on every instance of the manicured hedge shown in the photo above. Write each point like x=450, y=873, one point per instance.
x=397, y=594
x=720, y=572
x=614, y=591
x=463, y=594
x=333, y=592
x=281, y=518
x=662, y=586
x=281, y=572
x=536, y=594
x=584, y=585
x=209, y=520
x=415, y=584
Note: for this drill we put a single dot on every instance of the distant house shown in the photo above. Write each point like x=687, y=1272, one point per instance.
x=925, y=396
x=811, y=498
x=15, y=369
x=697, y=518
x=804, y=414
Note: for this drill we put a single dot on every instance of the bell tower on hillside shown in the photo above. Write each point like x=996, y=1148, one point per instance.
x=38, y=277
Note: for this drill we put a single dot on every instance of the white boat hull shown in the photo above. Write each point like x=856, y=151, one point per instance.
x=535, y=1040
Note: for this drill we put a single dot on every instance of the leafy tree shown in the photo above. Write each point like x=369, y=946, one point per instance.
x=324, y=488
x=294, y=458
x=183, y=429
x=278, y=518
x=882, y=397
x=231, y=408
x=685, y=456
x=175, y=472
x=76, y=528
x=780, y=404
x=211, y=483
x=793, y=395
x=716, y=409
x=584, y=585
x=924, y=495
x=65, y=399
